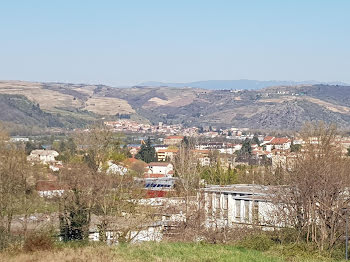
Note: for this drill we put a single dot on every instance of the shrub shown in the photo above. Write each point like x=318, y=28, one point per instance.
x=300, y=251
x=38, y=241
x=4, y=238
x=260, y=242
x=8, y=241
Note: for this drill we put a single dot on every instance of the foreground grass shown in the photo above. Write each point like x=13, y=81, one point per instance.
x=153, y=252
x=192, y=252
x=142, y=252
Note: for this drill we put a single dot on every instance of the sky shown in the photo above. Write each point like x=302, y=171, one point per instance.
x=126, y=42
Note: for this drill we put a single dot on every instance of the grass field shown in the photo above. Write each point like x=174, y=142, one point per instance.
x=144, y=252
x=153, y=252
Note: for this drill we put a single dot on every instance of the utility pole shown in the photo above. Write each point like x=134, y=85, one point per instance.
x=347, y=237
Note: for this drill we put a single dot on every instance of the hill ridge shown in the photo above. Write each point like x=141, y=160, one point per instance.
x=76, y=105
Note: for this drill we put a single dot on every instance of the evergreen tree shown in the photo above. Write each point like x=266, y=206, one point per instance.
x=256, y=140
x=147, y=152
x=246, y=147
x=62, y=146
x=71, y=146
x=29, y=147
x=185, y=142
x=295, y=148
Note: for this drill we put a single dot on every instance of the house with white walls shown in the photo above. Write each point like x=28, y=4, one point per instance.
x=159, y=169
x=43, y=156
x=240, y=204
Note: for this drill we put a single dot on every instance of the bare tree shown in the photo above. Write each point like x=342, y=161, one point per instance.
x=187, y=169
x=316, y=190
x=16, y=185
x=98, y=145
x=75, y=205
x=96, y=197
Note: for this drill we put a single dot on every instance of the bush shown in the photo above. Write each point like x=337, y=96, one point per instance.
x=301, y=251
x=286, y=236
x=260, y=242
x=8, y=241
x=4, y=238
x=38, y=241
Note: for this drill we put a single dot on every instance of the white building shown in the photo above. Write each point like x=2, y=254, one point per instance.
x=116, y=169
x=160, y=147
x=19, y=139
x=152, y=232
x=43, y=156
x=281, y=143
x=160, y=169
x=227, y=150
x=49, y=188
x=238, y=205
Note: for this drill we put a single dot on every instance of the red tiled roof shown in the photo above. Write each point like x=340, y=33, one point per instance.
x=204, y=151
x=48, y=185
x=280, y=140
x=153, y=175
x=130, y=161
x=158, y=164
x=156, y=193
x=268, y=138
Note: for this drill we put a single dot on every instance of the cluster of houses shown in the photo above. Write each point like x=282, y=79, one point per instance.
x=268, y=148
x=135, y=127
x=129, y=126
x=46, y=157
x=229, y=205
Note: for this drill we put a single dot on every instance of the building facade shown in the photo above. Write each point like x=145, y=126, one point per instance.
x=238, y=205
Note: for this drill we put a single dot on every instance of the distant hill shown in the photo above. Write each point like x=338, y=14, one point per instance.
x=58, y=105
x=19, y=110
x=61, y=105
x=20, y=115
x=282, y=107
x=235, y=84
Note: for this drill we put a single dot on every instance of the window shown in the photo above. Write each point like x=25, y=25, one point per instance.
x=238, y=208
x=217, y=204
x=256, y=212
x=225, y=204
x=246, y=211
x=210, y=201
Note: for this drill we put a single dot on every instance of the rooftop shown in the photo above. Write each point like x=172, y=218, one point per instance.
x=168, y=150
x=241, y=191
x=280, y=140
x=159, y=164
x=43, y=152
x=174, y=137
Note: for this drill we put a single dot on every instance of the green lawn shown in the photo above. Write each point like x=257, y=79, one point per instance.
x=164, y=251
x=190, y=252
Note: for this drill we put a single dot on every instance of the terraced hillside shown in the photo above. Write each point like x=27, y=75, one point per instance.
x=270, y=108
x=57, y=104
x=69, y=105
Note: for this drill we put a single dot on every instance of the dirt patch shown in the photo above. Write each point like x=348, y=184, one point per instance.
x=108, y=106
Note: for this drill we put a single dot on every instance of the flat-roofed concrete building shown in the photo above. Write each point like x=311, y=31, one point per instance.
x=240, y=204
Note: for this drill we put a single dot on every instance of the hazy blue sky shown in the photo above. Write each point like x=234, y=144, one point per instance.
x=127, y=42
